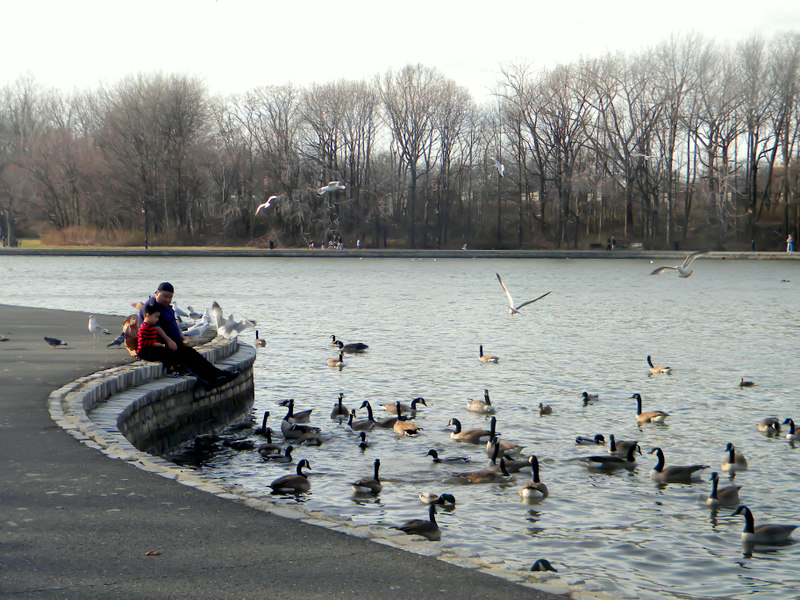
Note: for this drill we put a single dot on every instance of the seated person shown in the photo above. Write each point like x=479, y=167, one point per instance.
x=170, y=333
x=148, y=346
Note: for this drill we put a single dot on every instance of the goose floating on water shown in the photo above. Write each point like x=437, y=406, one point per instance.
x=770, y=426
x=587, y=398
x=392, y=407
x=656, y=369
x=482, y=407
x=534, y=488
x=651, y=416
x=727, y=496
x=763, y=534
x=673, y=473
x=369, y=485
x=486, y=357
x=487, y=475
x=735, y=461
x=446, y=500
x=613, y=461
x=428, y=529
x=295, y=484
x=744, y=383
x=472, y=436
x=340, y=411
x=447, y=459
x=588, y=441
x=793, y=435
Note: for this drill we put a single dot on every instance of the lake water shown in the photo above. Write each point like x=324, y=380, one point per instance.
x=424, y=320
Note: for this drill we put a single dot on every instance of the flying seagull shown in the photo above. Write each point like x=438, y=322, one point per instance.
x=54, y=342
x=683, y=270
x=511, y=308
x=266, y=204
x=501, y=168
x=333, y=186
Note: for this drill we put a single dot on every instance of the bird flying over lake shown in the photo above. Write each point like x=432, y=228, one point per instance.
x=682, y=269
x=501, y=168
x=333, y=186
x=266, y=204
x=511, y=308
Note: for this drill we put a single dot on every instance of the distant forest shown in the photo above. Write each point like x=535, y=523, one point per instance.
x=690, y=142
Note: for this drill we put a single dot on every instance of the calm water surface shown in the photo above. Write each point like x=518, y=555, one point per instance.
x=424, y=320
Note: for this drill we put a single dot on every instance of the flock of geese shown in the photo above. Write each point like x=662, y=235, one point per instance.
x=506, y=457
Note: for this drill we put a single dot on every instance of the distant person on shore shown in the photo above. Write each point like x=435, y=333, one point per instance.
x=608, y=244
x=790, y=243
x=358, y=244
x=148, y=346
x=170, y=334
x=613, y=242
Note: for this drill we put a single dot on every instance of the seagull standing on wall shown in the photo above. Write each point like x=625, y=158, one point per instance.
x=511, y=308
x=501, y=168
x=682, y=269
x=266, y=204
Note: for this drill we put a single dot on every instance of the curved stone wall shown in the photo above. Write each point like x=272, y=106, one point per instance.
x=157, y=414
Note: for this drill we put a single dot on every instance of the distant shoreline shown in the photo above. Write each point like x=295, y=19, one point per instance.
x=388, y=253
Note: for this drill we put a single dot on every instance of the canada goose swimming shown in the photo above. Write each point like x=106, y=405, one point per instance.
x=487, y=475
x=293, y=483
x=793, y=435
x=655, y=369
x=446, y=459
x=269, y=448
x=286, y=457
x=355, y=348
x=364, y=444
x=613, y=461
x=369, y=485
x=543, y=565
x=428, y=529
x=482, y=407
x=534, y=488
x=300, y=417
x=743, y=383
x=673, y=473
x=545, y=409
x=587, y=441
x=651, y=416
x=512, y=465
x=263, y=429
x=770, y=426
x=340, y=411
x=763, y=534
x=621, y=447
x=402, y=426
x=239, y=445
x=513, y=310
x=735, y=461
x=683, y=269
x=362, y=425
x=386, y=423
x=446, y=500
x=259, y=341
x=726, y=496
x=486, y=357
x=293, y=431
x=336, y=362
x=587, y=398
x=506, y=447
x=473, y=436
x=392, y=407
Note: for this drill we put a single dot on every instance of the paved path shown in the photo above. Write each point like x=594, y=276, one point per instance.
x=77, y=524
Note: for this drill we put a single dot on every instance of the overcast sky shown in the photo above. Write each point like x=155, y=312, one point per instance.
x=236, y=45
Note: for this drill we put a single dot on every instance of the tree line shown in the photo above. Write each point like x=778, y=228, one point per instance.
x=690, y=141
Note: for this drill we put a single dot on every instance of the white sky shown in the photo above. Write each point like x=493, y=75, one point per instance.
x=236, y=45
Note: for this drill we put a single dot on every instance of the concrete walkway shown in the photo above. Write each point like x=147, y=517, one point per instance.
x=77, y=524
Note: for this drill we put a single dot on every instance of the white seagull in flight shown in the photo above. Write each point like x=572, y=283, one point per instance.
x=501, y=168
x=683, y=270
x=333, y=186
x=266, y=204
x=511, y=308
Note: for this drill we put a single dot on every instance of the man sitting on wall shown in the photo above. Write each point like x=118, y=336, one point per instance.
x=170, y=333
